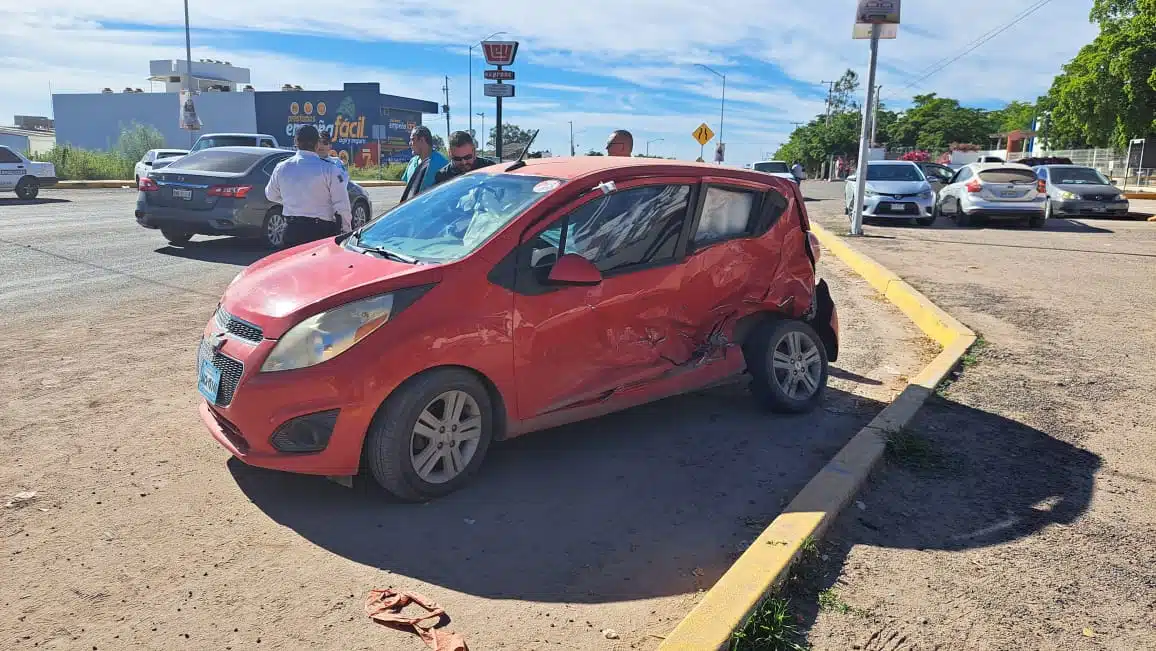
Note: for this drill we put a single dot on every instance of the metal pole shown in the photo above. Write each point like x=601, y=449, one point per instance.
x=483, y=116
x=721, y=114
x=827, y=122
x=447, y=90
x=188, y=64
x=875, y=114
x=471, y=90
x=571, y=137
x=861, y=174
x=498, y=132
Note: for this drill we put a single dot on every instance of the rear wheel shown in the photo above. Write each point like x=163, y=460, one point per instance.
x=275, y=230
x=961, y=218
x=431, y=436
x=788, y=362
x=28, y=188
x=360, y=214
x=176, y=237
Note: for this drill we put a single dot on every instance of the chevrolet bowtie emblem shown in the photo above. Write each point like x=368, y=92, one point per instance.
x=217, y=340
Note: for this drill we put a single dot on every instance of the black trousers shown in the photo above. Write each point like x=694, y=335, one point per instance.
x=308, y=229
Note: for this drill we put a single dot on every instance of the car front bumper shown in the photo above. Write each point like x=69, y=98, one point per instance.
x=1082, y=207
x=47, y=181
x=884, y=206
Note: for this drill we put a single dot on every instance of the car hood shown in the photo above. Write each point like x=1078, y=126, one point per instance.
x=279, y=291
x=898, y=187
x=1089, y=188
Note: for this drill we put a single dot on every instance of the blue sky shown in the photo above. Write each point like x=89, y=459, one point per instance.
x=602, y=64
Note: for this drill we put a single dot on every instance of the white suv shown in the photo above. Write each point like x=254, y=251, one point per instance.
x=22, y=175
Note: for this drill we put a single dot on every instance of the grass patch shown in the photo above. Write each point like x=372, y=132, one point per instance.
x=910, y=450
x=971, y=357
x=772, y=627
x=829, y=600
x=390, y=172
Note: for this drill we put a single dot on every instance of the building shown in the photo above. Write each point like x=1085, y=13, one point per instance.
x=366, y=125
x=27, y=140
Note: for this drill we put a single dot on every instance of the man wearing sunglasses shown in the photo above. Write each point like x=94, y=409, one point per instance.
x=464, y=157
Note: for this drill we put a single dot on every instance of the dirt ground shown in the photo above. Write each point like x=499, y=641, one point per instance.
x=142, y=533
x=1019, y=510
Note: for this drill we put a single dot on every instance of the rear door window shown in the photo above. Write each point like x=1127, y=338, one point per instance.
x=1007, y=176
x=210, y=160
x=726, y=213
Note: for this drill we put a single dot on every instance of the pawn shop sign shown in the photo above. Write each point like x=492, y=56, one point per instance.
x=702, y=134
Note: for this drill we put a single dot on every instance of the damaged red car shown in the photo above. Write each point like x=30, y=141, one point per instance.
x=512, y=299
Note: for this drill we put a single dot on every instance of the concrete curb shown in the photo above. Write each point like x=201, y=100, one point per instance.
x=767, y=562
x=1140, y=195
x=89, y=185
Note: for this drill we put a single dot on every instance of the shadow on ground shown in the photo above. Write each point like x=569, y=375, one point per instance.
x=8, y=201
x=654, y=501
x=227, y=250
x=1055, y=225
x=959, y=478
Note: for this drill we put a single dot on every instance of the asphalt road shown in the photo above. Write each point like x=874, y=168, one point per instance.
x=143, y=533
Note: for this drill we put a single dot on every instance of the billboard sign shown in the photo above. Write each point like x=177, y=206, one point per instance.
x=499, y=90
x=877, y=12
x=500, y=53
x=503, y=75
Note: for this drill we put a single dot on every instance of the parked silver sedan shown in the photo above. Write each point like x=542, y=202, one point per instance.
x=1079, y=190
x=993, y=190
x=895, y=189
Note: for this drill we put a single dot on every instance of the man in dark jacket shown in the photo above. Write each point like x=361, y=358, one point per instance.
x=463, y=158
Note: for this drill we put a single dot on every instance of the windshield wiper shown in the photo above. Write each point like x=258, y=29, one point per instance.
x=355, y=241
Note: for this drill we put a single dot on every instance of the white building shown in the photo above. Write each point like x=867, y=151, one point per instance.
x=207, y=75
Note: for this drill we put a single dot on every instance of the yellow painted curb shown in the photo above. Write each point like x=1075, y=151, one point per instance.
x=767, y=562
x=1140, y=195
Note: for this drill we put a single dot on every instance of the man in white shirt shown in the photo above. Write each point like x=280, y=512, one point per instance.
x=312, y=192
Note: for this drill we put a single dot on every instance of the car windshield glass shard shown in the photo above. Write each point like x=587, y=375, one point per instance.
x=1078, y=175
x=219, y=161
x=893, y=173
x=1008, y=176
x=451, y=220
x=773, y=168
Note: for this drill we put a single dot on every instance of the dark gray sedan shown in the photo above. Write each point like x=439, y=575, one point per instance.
x=221, y=191
x=1079, y=190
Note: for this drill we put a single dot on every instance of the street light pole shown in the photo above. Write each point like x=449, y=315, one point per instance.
x=571, y=138
x=723, y=107
x=483, y=116
x=188, y=64
x=650, y=141
x=830, y=156
x=864, y=134
x=471, y=127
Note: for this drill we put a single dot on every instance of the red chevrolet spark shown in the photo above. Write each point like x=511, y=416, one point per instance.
x=515, y=298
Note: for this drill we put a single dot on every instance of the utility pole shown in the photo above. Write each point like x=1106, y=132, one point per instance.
x=446, y=110
x=483, y=116
x=830, y=155
x=188, y=65
x=864, y=134
x=722, y=108
x=571, y=138
x=875, y=114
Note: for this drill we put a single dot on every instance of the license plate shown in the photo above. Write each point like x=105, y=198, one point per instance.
x=209, y=380
x=1008, y=193
x=178, y=193
x=898, y=207
x=1099, y=208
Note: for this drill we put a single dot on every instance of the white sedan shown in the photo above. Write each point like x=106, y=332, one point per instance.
x=156, y=159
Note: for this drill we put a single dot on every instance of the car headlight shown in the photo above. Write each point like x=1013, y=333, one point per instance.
x=328, y=334
x=868, y=192
x=1068, y=196
x=926, y=194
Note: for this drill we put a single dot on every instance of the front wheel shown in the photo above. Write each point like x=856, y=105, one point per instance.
x=788, y=362
x=431, y=436
x=28, y=188
x=275, y=230
x=925, y=221
x=360, y=215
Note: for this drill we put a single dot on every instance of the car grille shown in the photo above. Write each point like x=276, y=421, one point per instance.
x=231, y=371
x=906, y=208
x=1098, y=197
x=237, y=327
x=899, y=196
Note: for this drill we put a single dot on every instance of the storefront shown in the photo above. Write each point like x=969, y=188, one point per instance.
x=366, y=127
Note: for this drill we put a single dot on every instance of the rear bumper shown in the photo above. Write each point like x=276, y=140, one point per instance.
x=1079, y=207
x=215, y=221
x=1020, y=209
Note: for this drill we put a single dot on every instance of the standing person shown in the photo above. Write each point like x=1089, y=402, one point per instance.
x=325, y=151
x=311, y=192
x=620, y=143
x=464, y=156
x=799, y=173
x=424, y=165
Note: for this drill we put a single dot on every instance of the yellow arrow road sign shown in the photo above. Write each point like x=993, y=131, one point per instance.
x=703, y=134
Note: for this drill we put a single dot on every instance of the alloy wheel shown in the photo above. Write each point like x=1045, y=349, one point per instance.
x=275, y=228
x=797, y=365
x=445, y=437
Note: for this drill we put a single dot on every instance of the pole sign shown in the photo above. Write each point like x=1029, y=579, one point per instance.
x=720, y=152
x=880, y=16
x=188, y=117
x=499, y=90
x=500, y=75
x=500, y=53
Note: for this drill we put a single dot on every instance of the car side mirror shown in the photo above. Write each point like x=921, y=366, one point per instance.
x=573, y=269
x=148, y=162
x=1113, y=182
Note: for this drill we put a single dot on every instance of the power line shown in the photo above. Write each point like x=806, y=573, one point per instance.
x=936, y=67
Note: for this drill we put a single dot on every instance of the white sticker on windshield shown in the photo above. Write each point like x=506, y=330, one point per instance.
x=546, y=186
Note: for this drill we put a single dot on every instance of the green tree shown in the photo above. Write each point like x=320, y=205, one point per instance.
x=1016, y=115
x=513, y=136
x=439, y=143
x=933, y=123
x=843, y=93
x=1106, y=95
x=136, y=139
x=594, y=152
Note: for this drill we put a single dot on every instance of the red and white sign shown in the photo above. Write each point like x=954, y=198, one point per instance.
x=500, y=53
x=504, y=75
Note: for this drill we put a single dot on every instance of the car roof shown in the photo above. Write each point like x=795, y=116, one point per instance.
x=243, y=135
x=891, y=162
x=771, y=161
x=578, y=166
x=167, y=149
x=1066, y=166
x=988, y=166
x=245, y=150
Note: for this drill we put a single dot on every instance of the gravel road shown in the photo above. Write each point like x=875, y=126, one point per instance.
x=1019, y=511
x=142, y=533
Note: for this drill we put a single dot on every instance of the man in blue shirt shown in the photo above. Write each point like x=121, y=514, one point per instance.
x=423, y=167
x=325, y=150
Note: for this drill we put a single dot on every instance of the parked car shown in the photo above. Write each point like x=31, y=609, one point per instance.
x=1079, y=190
x=895, y=189
x=24, y=176
x=993, y=190
x=937, y=175
x=221, y=191
x=775, y=168
x=515, y=298
x=210, y=140
x=155, y=159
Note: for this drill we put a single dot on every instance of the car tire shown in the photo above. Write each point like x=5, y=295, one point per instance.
x=176, y=237
x=925, y=221
x=360, y=215
x=962, y=219
x=781, y=355
x=275, y=230
x=402, y=459
x=28, y=188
